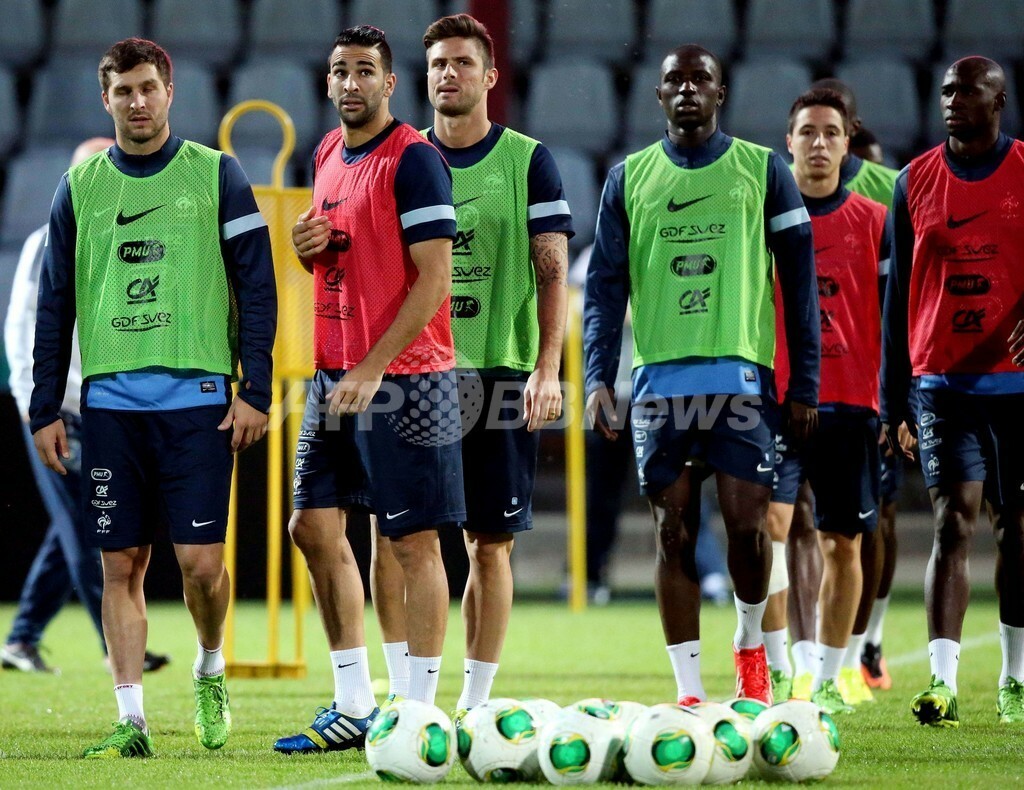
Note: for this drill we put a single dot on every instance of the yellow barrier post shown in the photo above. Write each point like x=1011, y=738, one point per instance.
x=575, y=454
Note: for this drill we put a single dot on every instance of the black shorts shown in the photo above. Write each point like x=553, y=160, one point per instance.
x=401, y=459
x=892, y=477
x=499, y=456
x=141, y=468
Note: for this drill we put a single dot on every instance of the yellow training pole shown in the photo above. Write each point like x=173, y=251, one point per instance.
x=575, y=455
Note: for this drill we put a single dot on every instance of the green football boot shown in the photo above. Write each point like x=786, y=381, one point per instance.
x=1011, y=702
x=782, y=685
x=830, y=700
x=213, y=716
x=126, y=740
x=936, y=706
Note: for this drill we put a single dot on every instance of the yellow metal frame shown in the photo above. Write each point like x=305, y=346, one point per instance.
x=575, y=455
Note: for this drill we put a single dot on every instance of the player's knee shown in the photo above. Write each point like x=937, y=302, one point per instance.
x=1009, y=537
x=489, y=552
x=952, y=529
x=304, y=533
x=417, y=552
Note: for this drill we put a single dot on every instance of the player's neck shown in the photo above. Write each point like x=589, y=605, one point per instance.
x=462, y=131
x=357, y=136
x=976, y=146
x=691, y=138
x=150, y=146
x=817, y=187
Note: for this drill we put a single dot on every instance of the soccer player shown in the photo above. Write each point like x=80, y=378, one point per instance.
x=841, y=460
x=508, y=317
x=687, y=232
x=158, y=250
x=381, y=430
x=953, y=323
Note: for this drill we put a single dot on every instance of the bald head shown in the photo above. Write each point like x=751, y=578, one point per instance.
x=973, y=95
x=91, y=146
x=691, y=51
x=980, y=70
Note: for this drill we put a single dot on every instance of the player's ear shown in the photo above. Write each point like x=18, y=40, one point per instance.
x=721, y=96
x=490, y=78
x=390, y=81
x=789, y=142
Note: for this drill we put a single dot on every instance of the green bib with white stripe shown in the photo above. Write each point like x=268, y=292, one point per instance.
x=494, y=290
x=150, y=281
x=875, y=182
x=701, y=279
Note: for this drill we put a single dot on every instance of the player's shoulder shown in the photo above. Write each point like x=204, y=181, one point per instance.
x=866, y=205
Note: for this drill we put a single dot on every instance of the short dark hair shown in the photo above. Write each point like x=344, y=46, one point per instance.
x=461, y=26
x=366, y=36
x=820, y=97
x=126, y=55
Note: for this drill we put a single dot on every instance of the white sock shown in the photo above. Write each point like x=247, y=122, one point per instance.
x=748, y=628
x=129, y=705
x=423, y=672
x=944, y=656
x=353, y=694
x=777, y=649
x=1012, y=641
x=830, y=659
x=208, y=662
x=477, y=680
x=804, y=657
x=685, y=658
x=877, y=620
x=396, y=656
x=853, y=650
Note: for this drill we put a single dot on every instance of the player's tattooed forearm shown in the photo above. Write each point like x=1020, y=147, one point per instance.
x=550, y=254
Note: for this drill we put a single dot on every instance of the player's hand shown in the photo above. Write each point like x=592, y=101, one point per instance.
x=907, y=439
x=52, y=444
x=1016, y=341
x=542, y=398
x=597, y=416
x=898, y=440
x=355, y=391
x=250, y=424
x=310, y=234
x=803, y=420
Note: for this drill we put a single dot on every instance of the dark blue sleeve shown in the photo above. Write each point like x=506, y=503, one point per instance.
x=547, y=209
x=607, y=287
x=896, y=369
x=55, y=313
x=788, y=231
x=245, y=245
x=423, y=194
x=884, y=257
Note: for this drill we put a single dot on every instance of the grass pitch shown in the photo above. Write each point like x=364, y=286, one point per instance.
x=616, y=652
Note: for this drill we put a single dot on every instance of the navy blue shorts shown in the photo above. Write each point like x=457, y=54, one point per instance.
x=966, y=437
x=789, y=470
x=725, y=433
x=499, y=456
x=142, y=468
x=401, y=459
x=892, y=477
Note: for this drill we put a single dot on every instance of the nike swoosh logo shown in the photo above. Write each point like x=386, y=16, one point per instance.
x=127, y=219
x=396, y=515
x=673, y=206
x=342, y=666
x=431, y=671
x=763, y=468
x=694, y=655
x=327, y=206
x=823, y=249
x=468, y=200
x=509, y=515
x=953, y=224
x=865, y=515
x=202, y=523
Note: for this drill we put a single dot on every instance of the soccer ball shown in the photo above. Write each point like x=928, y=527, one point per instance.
x=795, y=741
x=541, y=709
x=598, y=707
x=627, y=712
x=411, y=741
x=668, y=744
x=498, y=742
x=576, y=748
x=746, y=707
x=733, y=752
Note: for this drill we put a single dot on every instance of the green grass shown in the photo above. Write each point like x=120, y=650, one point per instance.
x=616, y=652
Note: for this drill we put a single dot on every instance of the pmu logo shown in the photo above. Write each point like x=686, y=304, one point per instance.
x=101, y=474
x=968, y=320
x=142, y=290
x=142, y=322
x=694, y=301
x=968, y=284
x=465, y=307
x=827, y=286
x=333, y=278
x=141, y=251
x=693, y=265
x=461, y=245
x=340, y=241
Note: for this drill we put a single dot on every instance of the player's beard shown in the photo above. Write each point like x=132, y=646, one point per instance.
x=142, y=136
x=359, y=118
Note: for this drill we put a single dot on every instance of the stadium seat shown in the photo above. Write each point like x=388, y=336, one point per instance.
x=258, y=164
x=710, y=23
x=202, y=31
x=195, y=113
x=524, y=29
x=573, y=104
x=22, y=33
x=577, y=29
x=994, y=28
x=9, y=113
x=759, y=96
x=644, y=117
x=297, y=30
x=886, y=99
x=803, y=29
x=870, y=30
x=582, y=192
x=403, y=21
x=286, y=84
x=84, y=29
x=32, y=178
x=935, y=127
x=67, y=103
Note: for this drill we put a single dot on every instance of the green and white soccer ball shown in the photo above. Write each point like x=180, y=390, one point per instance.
x=628, y=711
x=575, y=748
x=541, y=709
x=668, y=744
x=734, y=753
x=411, y=741
x=795, y=741
x=498, y=742
x=747, y=707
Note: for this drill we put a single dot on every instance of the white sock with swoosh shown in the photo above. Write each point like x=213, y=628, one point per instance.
x=685, y=658
x=423, y=672
x=353, y=694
